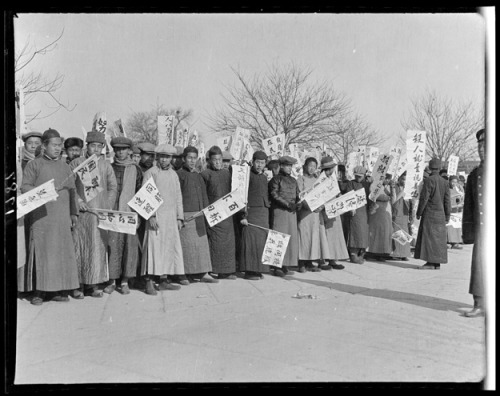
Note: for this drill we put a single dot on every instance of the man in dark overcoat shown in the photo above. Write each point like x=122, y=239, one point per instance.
x=434, y=207
x=473, y=228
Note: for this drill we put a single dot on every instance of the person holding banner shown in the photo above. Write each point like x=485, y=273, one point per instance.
x=357, y=241
x=194, y=240
x=221, y=236
x=473, y=228
x=402, y=216
x=51, y=266
x=123, y=248
x=147, y=155
x=73, y=147
x=457, y=204
x=343, y=180
x=253, y=239
x=434, y=209
x=284, y=193
x=31, y=140
x=162, y=248
x=91, y=242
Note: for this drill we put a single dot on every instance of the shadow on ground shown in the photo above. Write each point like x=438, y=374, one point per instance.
x=439, y=304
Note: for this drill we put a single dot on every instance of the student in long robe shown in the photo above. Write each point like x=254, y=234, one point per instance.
x=91, y=242
x=253, y=239
x=194, y=240
x=162, y=254
x=73, y=147
x=457, y=204
x=402, y=216
x=221, y=236
x=51, y=270
x=31, y=140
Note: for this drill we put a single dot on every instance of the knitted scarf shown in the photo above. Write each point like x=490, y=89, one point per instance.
x=27, y=156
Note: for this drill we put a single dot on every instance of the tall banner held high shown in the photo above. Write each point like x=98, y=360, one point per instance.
x=453, y=165
x=179, y=137
x=36, y=197
x=193, y=140
x=396, y=152
x=119, y=128
x=352, y=161
x=247, y=151
x=378, y=174
x=361, y=150
x=224, y=143
x=274, y=145
x=402, y=165
x=275, y=248
x=99, y=123
x=415, y=151
x=88, y=173
x=165, y=130
x=371, y=155
x=147, y=200
x=238, y=141
x=240, y=180
x=224, y=207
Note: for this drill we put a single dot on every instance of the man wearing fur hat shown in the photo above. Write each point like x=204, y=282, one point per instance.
x=73, y=147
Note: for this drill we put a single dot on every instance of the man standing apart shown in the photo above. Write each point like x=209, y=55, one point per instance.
x=123, y=248
x=51, y=263
x=473, y=228
x=91, y=242
x=434, y=207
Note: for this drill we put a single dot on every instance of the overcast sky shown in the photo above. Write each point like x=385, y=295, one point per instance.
x=120, y=63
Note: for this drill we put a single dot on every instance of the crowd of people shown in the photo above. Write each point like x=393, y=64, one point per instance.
x=62, y=252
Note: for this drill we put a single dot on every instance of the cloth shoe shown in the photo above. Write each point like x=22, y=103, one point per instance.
x=77, y=294
x=430, y=266
x=302, y=269
x=287, y=271
x=325, y=267
x=37, y=298
x=336, y=266
x=60, y=298
x=168, y=286
x=475, y=312
x=92, y=292
x=109, y=288
x=150, y=288
x=251, y=276
x=124, y=289
x=227, y=276
x=208, y=279
x=278, y=272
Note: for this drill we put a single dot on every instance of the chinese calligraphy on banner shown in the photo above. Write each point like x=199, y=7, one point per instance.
x=402, y=237
x=147, y=200
x=396, y=152
x=325, y=191
x=165, y=130
x=193, y=141
x=36, y=197
x=379, y=171
x=456, y=220
x=117, y=221
x=351, y=163
x=275, y=145
x=238, y=141
x=275, y=248
x=88, y=173
x=402, y=165
x=453, y=165
x=371, y=155
x=361, y=158
x=224, y=143
x=240, y=180
x=179, y=137
x=99, y=124
x=224, y=207
x=119, y=128
x=247, y=151
x=349, y=201
x=415, y=156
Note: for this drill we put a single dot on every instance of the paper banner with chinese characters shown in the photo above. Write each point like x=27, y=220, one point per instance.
x=293, y=149
x=371, y=155
x=453, y=165
x=456, y=220
x=345, y=203
x=223, y=208
x=325, y=191
x=352, y=161
x=378, y=175
x=113, y=220
x=237, y=142
x=402, y=237
x=247, y=151
x=179, y=137
x=402, y=165
x=36, y=197
x=21, y=127
x=99, y=124
x=88, y=173
x=193, y=141
x=147, y=200
x=224, y=143
x=396, y=152
x=275, y=248
x=119, y=128
x=185, y=137
x=240, y=181
x=321, y=178
x=361, y=158
x=165, y=130
x=274, y=145
x=415, y=155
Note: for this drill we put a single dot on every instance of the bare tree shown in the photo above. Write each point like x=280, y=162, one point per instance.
x=142, y=126
x=284, y=100
x=450, y=126
x=35, y=82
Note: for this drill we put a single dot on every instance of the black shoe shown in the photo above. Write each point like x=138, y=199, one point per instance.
x=287, y=271
x=168, y=286
x=430, y=266
x=251, y=277
x=405, y=259
x=337, y=266
x=302, y=269
x=278, y=272
x=228, y=276
x=326, y=267
x=314, y=269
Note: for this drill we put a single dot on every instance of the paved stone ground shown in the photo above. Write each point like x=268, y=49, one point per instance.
x=381, y=321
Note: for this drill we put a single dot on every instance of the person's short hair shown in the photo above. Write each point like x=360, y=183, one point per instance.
x=273, y=164
x=214, y=150
x=443, y=171
x=189, y=149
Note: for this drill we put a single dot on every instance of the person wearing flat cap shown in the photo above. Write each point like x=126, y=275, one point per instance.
x=194, y=239
x=31, y=140
x=91, y=242
x=147, y=155
x=73, y=147
x=177, y=159
x=284, y=194
x=51, y=267
x=221, y=237
x=135, y=152
x=227, y=160
x=253, y=239
x=473, y=228
x=162, y=246
x=358, y=222
x=434, y=209
x=123, y=248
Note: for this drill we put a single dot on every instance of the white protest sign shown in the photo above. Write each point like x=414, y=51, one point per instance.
x=240, y=180
x=345, y=203
x=113, y=220
x=456, y=220
x=361, y=150
x=321, y=178
x=119, y=128
x=88, y=172
x=415, y=154
x=453, y=165
x=99, y=124
x=275, y=248
x=327, y=190
x=193, y=140
x=379, y=171
x=402, y=237
x=396, y=152
x=84, y=133
x=224, y=207
x=293, y=148
x=185, y=137
x=351, y=163
x=402, y=165
x=179, y=137
x=36, y=197
x=165, y=129
x=147, y=200
x=275, y=145
x=247, y=151
x=238, y=141
x=371, y=155
x=224, y=143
